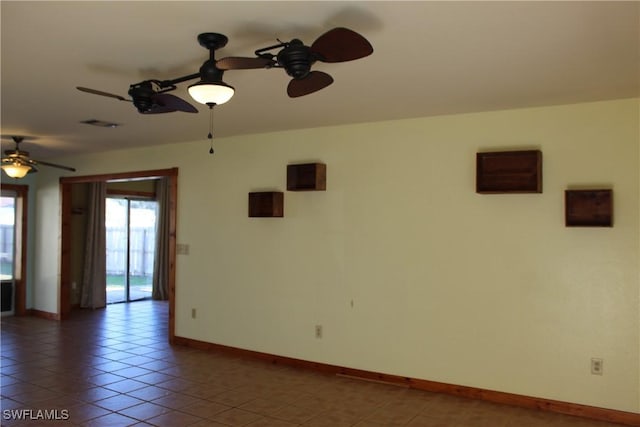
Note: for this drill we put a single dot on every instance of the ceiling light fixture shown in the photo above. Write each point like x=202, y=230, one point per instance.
x=16, y=169
x=211, y=89
x=17, y=163
x=211, y=92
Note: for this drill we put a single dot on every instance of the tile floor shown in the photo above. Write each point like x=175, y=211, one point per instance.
x=113, y=367
x=116, y=293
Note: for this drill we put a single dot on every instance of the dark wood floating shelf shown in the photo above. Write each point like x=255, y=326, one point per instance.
x=509, y=172
x=588, y=208
x=266, y=204
x=307, y=177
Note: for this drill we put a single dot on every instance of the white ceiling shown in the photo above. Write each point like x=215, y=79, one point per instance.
x=429, y=58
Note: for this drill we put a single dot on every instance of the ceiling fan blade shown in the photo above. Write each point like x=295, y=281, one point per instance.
x=240, y=63
x=314, y=81
x=158, y=109
x=34, y=162
x=167, y=103
x=340, y=45
x=99, y=92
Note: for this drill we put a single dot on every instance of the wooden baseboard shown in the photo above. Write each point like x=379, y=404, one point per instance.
x=43, y=314
x=584, y=411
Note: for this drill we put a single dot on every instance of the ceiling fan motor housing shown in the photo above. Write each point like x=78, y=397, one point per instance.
x=296, y=59
x=141, y=94
x=209, y=72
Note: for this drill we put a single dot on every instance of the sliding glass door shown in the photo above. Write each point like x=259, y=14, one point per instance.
x=131, y=240
x=7, y=249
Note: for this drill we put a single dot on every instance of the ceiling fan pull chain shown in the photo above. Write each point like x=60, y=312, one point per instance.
x=210, y=136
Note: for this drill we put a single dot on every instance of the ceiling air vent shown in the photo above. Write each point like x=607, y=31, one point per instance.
x=100, y=123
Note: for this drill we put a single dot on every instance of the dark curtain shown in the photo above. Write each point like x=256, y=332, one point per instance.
x=160, y=289
x=93, y=293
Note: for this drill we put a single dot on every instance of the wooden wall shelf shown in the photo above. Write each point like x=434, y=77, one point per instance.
x=307, y=177
x=266, y=204
x=589, y=208
x=509, y=172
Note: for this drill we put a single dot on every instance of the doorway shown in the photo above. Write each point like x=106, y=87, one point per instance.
x=131, y=230
x=67, y=242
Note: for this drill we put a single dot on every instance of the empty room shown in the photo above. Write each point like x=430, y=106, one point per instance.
x=301, y=213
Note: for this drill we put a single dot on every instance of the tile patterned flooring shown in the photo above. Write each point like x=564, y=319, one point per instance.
x=114, y=367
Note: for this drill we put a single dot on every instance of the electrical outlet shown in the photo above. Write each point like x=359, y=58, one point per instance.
x=318, y=331
x=597, y=366
x=193, y=313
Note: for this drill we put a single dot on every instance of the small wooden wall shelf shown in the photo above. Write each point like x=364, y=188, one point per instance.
x=307, y=177
x=509, y=172
x=266, y=204
x=588, y=208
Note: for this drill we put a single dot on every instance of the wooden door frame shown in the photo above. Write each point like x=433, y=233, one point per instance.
x=20, y=282
x=66, y=241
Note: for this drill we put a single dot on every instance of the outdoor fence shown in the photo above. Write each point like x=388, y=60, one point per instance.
x=6, y=251
x=6, y=241
x=142, y=250
x=142, y=241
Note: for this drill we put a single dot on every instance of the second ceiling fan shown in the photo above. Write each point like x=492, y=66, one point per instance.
x=336, y=45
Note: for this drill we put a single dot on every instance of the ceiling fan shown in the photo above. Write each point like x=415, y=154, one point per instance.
x=336, y=45
x=17, y=163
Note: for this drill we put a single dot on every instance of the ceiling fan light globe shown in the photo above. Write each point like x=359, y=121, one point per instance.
x=16, y=170
x=211, y=92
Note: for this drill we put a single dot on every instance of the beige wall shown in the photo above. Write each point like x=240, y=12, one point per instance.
x=409, y=271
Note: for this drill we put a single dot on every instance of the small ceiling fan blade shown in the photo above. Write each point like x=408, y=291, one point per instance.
x=167, y=103
x=314, y=81
x=158, y=109
x=175, y=103
x=241, y=63
x=99, y=92
x=340, y=45
x=34, y=163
